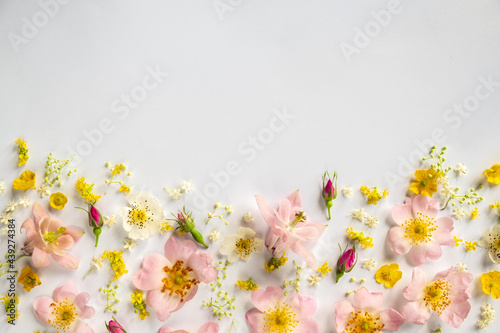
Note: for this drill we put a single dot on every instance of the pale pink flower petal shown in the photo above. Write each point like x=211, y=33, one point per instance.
x=151, y=274
x=38, y=212
x=413, y=291
x=201, y=264
x=66, y=261
x=266, y=211
x=175, y=251
x=81, y=300
x=306, y=254
x=443, y=234
x=308, y=325
x=420, y=253
x=402, y=213
x=255, y=320
x=455, y=313
x=343, y=310
x=295, y=199
x=163, y=304
x=303, y=306
x=209, y=328
x=67, y=290
x=416, y=313
x=422, y=204
x=366, y=300
x=264, y=299
x=42, y=308
x=39, y=258
x=399, y=243
x=391, y=319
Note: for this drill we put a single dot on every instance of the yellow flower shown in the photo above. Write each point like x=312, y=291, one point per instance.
x=275, y=263
x=491, y=283
x=425, y=183
x=11, y=303
x=385, y=193
x=28, y=279
x=23, y=151
x=457, y=240
x=325, y=269
x=86, y=191
x=470, y=246
x=139, y=304
x=118, y=169
x=247, y=285
x=360, y=238
x=124, y=188
x=58, y=200
x=25, y=182
x=474, y=214
x=365, y=189
x=374, y=197
x=116, y=261
x=166, y=227
x=388, y=275
x=493, y=174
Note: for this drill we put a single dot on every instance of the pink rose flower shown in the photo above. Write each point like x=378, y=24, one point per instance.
x=419, y=232
x=66, y=309
x=364, y=314
x=206, y=328
x=172, y=280
x=275, y=313
x=290, y=227
x=50, y=236
x=115, y=327
x=446, y=295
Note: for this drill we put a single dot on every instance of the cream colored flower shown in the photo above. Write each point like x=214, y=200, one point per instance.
x=358, y=214
x=241, y=245
x=314, y=279
x=491, y=242
x=368, y=264
x=461, y=169
x=347, y=192
x=110, y=221
x=2, y=187
x=247, y=217
x=459, y=213
x=129, y=244
x=214, y=235
x=371, y=221
x=144, y=216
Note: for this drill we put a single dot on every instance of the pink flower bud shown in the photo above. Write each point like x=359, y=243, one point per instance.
x=347, y=260
x=95, y=219
x=114, y=327
x=328, y=190
x=180, y=217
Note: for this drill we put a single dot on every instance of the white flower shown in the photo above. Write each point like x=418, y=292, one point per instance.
x=487, y=316
x=187, y=186
x=4, y=218
x=491, y=242
x=347, y=192
x=129, y=244
x=314, y=280
x=462, y=267
x=371, y=221
x=247, y=217
x=459, y=213
x=447, y=190
x=96, y=262
x=2, y=187
x=110, y=221
x=4, y=231
x=214, y=235
x=443, y=180
x=143, y=219
x=358, y=214
x=175, y=193
x=461, y=169
x=43, y=190
x=11, y=206
x=368, y=264
x=25, y=202
x=241, y=245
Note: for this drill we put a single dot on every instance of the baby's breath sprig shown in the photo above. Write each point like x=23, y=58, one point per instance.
x=221, y=304
x=111, y=300
x=294, y=283
x=227, y=210
x=438, y=159
x=116, y=170
x=471, y=197
x=53, y=169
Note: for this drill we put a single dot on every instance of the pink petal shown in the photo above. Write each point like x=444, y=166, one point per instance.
x=308, y=325
x=67, y=261
x=75, y=233
x=420, y=253
x=266, y=211
x=455, y=313
x=391, y=319
x=191, y=293
x=38, y=212
x=175, y=251
x=255, y=319
x=285, y=212
x=363, y=299
x=303, y=306
x=271, y=240
x=39, y=258
x=460, y=282
x=162, y=303
x=201, y=264
x=295, y=199
x=306, y=254
x=399, y=244
x=209, y=328
x=64, y=242
x=67, y=290
x=416, y=313
x=413, y=292
x=151, y=274
x=443, y=233
x=86, y=312
x=402, y=213
x=43, y=309
x=424, y=205
x=310, y=232
x=83, y=327
x=266, y=299
x=165, y=329
x=343, y=311
x=29, y=226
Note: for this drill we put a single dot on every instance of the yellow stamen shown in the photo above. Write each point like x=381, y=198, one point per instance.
x=280, y=319
x=138, y=216
x=364, y=322
x=63, y=315
x=420, y=229
x=437, y=295
x=177, y=280
x=53, y=236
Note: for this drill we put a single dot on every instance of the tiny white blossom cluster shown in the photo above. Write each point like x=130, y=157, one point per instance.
x=177, y=193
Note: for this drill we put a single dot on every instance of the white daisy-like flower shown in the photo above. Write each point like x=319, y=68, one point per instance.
x=4, y=232
x=11, y=206
x=43, y=190
x=96, y=263
x=25, y=202
x=187, y=186
x=347, y=192
x=447, y=190
x=459, y=213
x=314, y=279
x=144, y=216
x=241, y=245
x=443, y=180
x=462, y=267
x=371, y=221
x=214, y=235
x=368, y=264
x=110, y=221
x=358, y=214
x=2, y=187
x=247, y=217
x=4, y=218
x=491, y=242
x=461, y=169
x=129, y=244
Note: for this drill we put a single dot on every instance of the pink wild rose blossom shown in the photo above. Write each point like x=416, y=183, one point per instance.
x=447, y=295
x=290, y=227
x=66, y=309
x=364, y=314
x=419, y=232
x=50, y=236
x=172, y=279
x=206, y=328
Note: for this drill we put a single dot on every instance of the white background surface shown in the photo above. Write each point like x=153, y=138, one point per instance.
x=228, y=73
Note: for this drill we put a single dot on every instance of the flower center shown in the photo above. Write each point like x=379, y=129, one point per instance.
x=245, y=247
x=53, y=236
x=280, y=319
x=63, y=315
x=420, y=229
x=177, y=280
x=437, y=295
x=139, y=216
x=364, y=322
x=299, y=217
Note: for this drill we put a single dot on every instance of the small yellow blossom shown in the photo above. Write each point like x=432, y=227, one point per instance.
x=28, y=279
x=360, y=238
x=124, y=188
x=372, y=194
x=470, y=246
x=166, y=227
x=425, y=183
x=365, y=189
x=117, y=169
x=58, y=200
x=247, y=285
x=23, y=151
x=457, y=240
x=385, y=193
x=25, y=181
x=139, y=304
x=491, y=283
x=493, y=174
x=275, y=263
x=325, y=269
x=388, y=275
x=116, y=261
x=86, y=191
x=10, y=304
x=474, y=214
